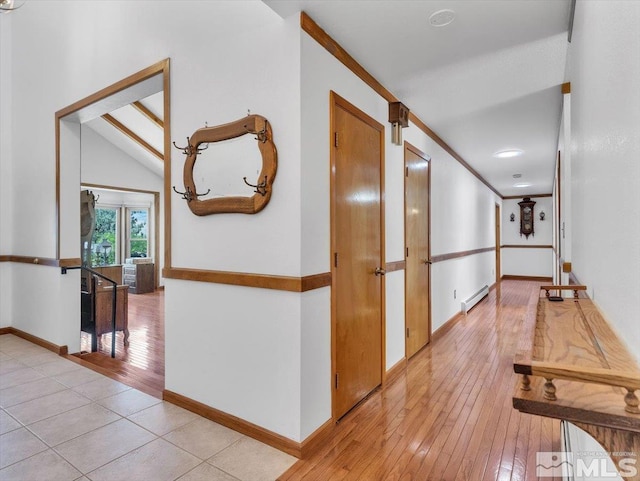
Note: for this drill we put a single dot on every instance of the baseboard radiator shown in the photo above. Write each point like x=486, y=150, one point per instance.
x=474, y=299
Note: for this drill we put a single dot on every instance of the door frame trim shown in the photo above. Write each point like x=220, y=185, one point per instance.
x=336, y=101
x=412, y=148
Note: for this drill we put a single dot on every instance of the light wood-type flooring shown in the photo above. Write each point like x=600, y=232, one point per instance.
x=141, y=364
x=449, y=416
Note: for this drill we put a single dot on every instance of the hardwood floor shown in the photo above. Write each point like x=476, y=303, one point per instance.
x=141, y=364
x=449, y=415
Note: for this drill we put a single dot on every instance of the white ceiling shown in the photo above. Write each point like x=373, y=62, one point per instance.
x=487, y=82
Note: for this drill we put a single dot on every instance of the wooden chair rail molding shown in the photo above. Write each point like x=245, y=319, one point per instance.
x=265, y=281
x=574, y=367
x=41, y=261
x=456, y=255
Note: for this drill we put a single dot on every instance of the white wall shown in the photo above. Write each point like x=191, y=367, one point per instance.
x=528, y=261
x=453, y=227
x=604, y=71
x=462, y=219
x=6, y=199
x=226, y=58
x=261, y=355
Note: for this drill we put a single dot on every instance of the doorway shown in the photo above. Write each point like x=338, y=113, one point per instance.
x=114, y=142
x=357, y=241
x=417, y=187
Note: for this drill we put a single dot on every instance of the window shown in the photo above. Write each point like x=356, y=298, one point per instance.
x=137, y=232
x=105, y=237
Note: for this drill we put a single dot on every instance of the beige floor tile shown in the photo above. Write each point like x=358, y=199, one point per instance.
x=206, y=472
x=35, y=358
x=22, y=349
x=4, y=357
x=18, y=445
x=47, y=406
x=68, y=425
x=57, y=366
x=28, y=391
x=157, y=461
x=163, y=418
x=129, y=402
x=101, y=388
x=47, y=466
x=103, y=445
x=77, y=378
x=203, y=438
x=7, y=423
x=250, y=460
x=19, y=376
x=8, y=365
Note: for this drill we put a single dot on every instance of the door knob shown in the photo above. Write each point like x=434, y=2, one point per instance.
x=380, y=271
x=426, y=261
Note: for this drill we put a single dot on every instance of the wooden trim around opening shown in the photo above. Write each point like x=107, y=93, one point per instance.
x=41, y=261
x=237, y=424
x=60, y=350
x=161, y=67
x=395, y=266
x=456, y=255
x=264, y=281
x=334, y=48
x=527, y=278
x=526, y=246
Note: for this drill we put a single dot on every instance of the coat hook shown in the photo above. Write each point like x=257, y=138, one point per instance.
x=190, y=149
x=188, y=195
x=260, y=188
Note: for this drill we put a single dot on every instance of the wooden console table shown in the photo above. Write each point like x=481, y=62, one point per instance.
x=573, y=367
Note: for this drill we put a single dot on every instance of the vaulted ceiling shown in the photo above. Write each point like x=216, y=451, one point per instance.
x=487, y=82
x=137, y=129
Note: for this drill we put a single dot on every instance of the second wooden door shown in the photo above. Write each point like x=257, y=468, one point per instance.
x=417, y=252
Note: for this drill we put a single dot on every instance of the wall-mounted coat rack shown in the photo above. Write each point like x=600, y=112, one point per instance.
x=203, y=138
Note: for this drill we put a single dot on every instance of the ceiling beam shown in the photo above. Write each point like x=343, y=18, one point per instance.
x=132, y=135
x=148, y=113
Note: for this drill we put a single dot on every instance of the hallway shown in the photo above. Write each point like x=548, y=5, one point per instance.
x=449, y=416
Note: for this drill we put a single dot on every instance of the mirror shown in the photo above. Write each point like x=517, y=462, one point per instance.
x=231, y=168
x=221, y=168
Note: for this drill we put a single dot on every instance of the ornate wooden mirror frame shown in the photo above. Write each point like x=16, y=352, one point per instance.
x=252, y=124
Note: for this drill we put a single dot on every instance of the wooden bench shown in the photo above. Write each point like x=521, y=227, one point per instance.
x=574, y=367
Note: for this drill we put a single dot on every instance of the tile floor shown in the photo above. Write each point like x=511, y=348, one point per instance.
x=60, y=421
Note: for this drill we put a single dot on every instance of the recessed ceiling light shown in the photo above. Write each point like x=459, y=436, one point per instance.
x=505, y=154
x=522, y=184
x=442, y=18
x=517, y=176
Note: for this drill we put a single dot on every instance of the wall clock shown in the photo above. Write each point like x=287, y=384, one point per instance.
x=526, y=216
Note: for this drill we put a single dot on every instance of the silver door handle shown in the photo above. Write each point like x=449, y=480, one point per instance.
x=380, y=271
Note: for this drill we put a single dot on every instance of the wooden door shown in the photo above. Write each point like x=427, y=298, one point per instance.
x=357, y=254
x=417, y=251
